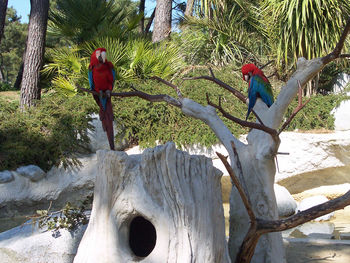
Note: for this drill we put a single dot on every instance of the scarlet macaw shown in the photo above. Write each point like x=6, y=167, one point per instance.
x=258, y=86
x=101, y=79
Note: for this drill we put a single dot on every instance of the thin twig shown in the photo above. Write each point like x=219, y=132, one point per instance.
x=222, y=84
x=176, y=88
x=137, y=93
x=296, y=110
x=268, y=63
x=243, y=123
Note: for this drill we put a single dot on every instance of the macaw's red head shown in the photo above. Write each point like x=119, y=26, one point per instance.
x=98, y=56
x=249, y=70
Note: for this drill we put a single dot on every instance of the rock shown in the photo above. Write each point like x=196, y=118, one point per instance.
x=6, y=176
x=32, y=245
x=285, y=201
x=23, y=196
x=310, y=152
x=32, y=172
x=342, y=115
x=313, y=201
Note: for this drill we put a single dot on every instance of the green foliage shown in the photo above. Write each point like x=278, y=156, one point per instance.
x=316, y=114
x=139, y=59
x=67, y=218
x=84, y=20
x=146, y=123
x=222, y=32
x=308, y=28
x=52, y=133
x=4, y=86
x=12, y=46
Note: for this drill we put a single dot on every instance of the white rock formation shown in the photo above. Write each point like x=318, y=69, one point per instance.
x=285, y=202
x=24, y=196
x=310, y=152
x=162, y=206
x=313, y=201
x=6, y=177
x=342, y=116
x=28, y=244
x=32, y=172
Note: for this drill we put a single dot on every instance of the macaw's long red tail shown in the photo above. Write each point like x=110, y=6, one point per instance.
x=106, y=117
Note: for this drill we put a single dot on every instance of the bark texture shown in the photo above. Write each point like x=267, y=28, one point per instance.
x=3, y=8
x=30, y=90
x=162, y=20
x=178, y=193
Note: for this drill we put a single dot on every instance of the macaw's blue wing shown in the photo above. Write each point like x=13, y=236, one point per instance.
x=113, y=72
x=259, y=88
x=91, y=80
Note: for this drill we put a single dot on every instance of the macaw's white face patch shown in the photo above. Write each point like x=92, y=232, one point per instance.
x=246, y=77
x=101, y=56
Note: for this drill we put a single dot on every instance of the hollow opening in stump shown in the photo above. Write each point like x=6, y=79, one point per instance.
x=142, y=236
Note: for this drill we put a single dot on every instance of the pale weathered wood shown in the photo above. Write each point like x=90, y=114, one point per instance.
x=180, y=194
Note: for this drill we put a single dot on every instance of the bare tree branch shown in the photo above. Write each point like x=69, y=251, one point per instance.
x=137, y=93
x=260, y=226
x=235, y=92
x=243, y=123
x=222, y=84
x=176, y=88
x=297, y=109
x=268, y=63
x=235, y=181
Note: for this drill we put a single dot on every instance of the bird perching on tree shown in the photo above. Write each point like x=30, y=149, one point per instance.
x=258, y=86
x=101, y=79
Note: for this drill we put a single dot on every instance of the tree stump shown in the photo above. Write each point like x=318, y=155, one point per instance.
x=163, y=205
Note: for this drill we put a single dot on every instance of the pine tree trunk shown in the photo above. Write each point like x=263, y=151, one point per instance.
x=3, y=8
x=30, y=90
x=189, y=8
x=142, y=11
x=162, y=20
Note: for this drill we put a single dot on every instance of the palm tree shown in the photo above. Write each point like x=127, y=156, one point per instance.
x=84, y=20
x=303, y=28
x=226, y=31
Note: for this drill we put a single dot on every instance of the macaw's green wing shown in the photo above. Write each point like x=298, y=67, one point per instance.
x=259, y=88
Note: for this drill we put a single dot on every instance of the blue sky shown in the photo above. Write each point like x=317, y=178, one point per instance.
x=22, y=7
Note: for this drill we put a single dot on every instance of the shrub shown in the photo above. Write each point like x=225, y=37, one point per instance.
x=52, y=133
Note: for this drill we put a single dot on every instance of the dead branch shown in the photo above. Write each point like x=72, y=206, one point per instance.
x=137, y=93
x=178, y=92
x=222, y=84
x=336, y=52
x=243, y=123
x=268, y=63
x=212, y=78
x=296, y=110
x=260, y=226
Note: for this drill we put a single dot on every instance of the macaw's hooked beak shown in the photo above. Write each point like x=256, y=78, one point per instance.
x=100, y=59
x=248, y=76
x=101, y=56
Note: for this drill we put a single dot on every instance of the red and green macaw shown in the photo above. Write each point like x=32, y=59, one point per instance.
x=258, y=86
x=101, y=79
